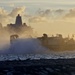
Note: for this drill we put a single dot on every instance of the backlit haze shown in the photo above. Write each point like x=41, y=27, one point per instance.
x=44, y=16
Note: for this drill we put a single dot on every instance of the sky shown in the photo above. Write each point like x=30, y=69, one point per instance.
x=44, y=16
x=34, y=4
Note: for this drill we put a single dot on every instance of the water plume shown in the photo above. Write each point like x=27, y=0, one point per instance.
x=24, y=46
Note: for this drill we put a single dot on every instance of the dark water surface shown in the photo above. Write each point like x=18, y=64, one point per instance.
x=37, y=64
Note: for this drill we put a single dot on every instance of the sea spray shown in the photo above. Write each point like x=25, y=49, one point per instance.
x=25, y=46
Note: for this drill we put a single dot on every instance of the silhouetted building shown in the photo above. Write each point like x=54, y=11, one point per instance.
x=57, y=42
x=18, y=21
x=18, y=26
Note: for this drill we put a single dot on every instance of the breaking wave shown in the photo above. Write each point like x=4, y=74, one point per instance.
x=25, y=46
x=31, y=48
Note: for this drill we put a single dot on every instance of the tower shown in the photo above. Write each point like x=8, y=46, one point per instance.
x=18, y=20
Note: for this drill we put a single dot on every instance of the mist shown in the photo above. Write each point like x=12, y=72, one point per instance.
x=25, y=44
x=40, y=23
x=29, y=45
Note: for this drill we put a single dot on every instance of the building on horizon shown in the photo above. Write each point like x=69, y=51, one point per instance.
x=18, y=26
x=18, y=20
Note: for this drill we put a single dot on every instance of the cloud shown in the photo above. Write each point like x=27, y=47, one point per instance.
x=3, y=12
x=41, y=16
x=36, y=19
x=45, y=18
x=11, y=5
x=70, y=14
x=59, y=11
x=4, y=18
x=18, y=10
x=46, y=15
x=46, y=12
x=7, y=17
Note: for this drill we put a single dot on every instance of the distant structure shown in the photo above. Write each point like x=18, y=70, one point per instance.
x=57, y=42
x=13, y=38
x=18, y=26
x=18, y=20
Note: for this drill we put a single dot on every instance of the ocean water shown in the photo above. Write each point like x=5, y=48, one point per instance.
x=4, y=57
